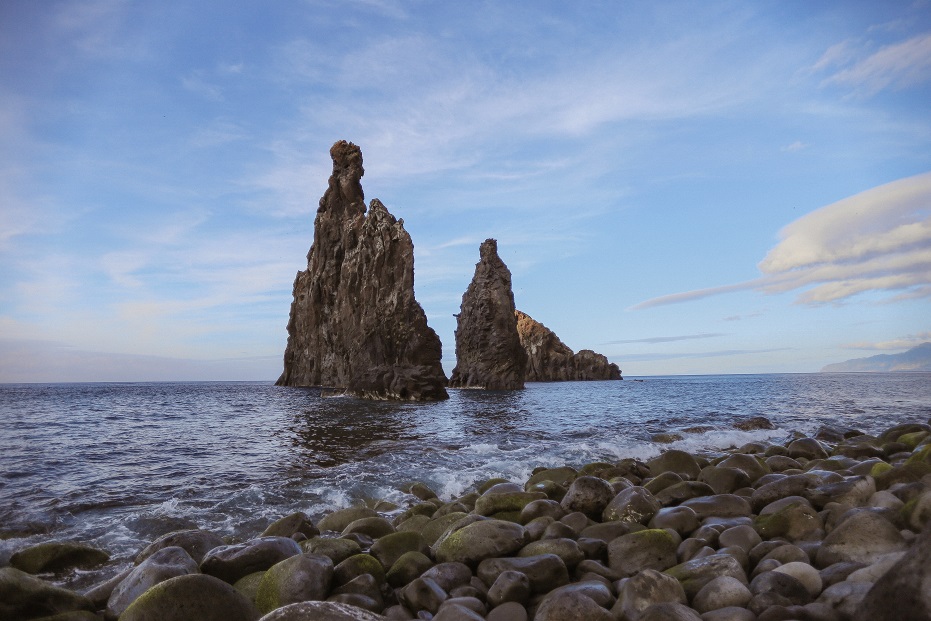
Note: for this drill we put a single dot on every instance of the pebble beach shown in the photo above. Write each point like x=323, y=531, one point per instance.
x=831, y=527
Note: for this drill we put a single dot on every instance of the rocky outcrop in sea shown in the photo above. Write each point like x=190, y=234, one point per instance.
x=551, y=360
x=488, y=350
x=834, y=527
x=354, y=324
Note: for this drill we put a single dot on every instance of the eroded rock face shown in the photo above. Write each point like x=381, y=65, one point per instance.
x=355, y=325
x=488, y=350
x=551, y=360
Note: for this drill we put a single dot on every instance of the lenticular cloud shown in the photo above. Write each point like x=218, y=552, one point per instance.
x=879, y=239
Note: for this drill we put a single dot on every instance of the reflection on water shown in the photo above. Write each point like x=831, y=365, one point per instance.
x=340, y=430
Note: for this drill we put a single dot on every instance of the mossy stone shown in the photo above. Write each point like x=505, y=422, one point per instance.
x=337, y=549
x=302, y=578
x=795, y=522
x=652, y=548
x=194, y=596
x=566, y=549
x=373, y=527
x=595, y=469
x=437, y=526
x=490, y=504
x=339, y=520
x=913, y=439
x=356, y=566
x=481, y=540
x=487, y=485
x=909, y=472
x=880, y=469
x=413, y=524
x=295, y=523
x=390, y=548
x=408, y=567
x=920, y=456
x=507, y=516
x=661, y=482
x=560, y=476
x=23, y=596
x=249, y=585
x=422, y=491
x=57, y=556
x=553, y=490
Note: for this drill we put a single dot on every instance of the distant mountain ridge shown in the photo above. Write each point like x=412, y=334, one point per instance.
x=915, y=360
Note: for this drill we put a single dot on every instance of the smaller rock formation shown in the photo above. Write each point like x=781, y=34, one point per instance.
x=551, y=360
x=488, y=350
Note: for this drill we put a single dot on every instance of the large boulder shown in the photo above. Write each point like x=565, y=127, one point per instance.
x=232, y=562
x=57, y=556
x=354, y=324
x=302, y=578
x=164, y=564
x=862, y=538
x=545, y=571
x=194, y=596
x=551, y=360
x=480, y=540
x=195, y=542
x=904, y=592
x=23, y=596
x=488, y=350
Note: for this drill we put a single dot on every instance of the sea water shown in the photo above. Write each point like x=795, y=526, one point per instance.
x=117, y=465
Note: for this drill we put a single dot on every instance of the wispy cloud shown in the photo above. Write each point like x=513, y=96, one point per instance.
x=199, y=85
x=896, y=66
x=668, y=339
x=798, y=145
x=878, y=240
x=703, y=354
x=905, y=342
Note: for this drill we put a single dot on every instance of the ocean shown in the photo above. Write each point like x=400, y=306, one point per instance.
x=117, y=465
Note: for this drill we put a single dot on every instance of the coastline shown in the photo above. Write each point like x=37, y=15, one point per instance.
x=830, y=514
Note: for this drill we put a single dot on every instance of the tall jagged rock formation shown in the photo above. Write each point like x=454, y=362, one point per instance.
x=488, y=350
x=551, y=360
x=355, y=325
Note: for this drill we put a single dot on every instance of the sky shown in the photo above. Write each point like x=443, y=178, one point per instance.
x=685, y=187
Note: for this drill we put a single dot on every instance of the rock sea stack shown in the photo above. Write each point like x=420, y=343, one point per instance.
x=551, y=360
x=488, y=350
x=354, y=325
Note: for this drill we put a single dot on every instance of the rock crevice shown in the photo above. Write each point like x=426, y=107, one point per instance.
x=354, y=324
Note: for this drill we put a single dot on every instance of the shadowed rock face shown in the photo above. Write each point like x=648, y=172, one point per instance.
x=354, y=324
x=488, y=350
x=551, y=360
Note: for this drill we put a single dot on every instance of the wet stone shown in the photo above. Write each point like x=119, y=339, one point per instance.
x=588, y=495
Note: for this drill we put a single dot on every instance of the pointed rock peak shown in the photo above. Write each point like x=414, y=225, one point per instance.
x=488, y=350
x=344, y=194
x=488, y=251
x=355, y=326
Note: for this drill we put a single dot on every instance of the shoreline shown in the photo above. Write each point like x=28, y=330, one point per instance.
x=808, y=527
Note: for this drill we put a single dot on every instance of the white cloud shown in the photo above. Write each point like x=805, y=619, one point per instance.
x=877, y=240
x=897, y=66
x=196, y=83
x=904, y=342
x=798, y=145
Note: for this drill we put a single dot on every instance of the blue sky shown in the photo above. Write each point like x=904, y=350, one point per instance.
x=695, y=187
